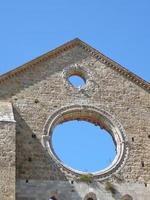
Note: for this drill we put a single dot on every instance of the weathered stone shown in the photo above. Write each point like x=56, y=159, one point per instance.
x=40, y=89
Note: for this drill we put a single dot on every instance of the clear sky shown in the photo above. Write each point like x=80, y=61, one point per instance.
x=86, y=148
x=118, y=28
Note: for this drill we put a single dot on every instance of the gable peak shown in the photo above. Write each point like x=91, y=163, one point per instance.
x=95, y=53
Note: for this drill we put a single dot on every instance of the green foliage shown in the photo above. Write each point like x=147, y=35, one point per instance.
x=86, y=178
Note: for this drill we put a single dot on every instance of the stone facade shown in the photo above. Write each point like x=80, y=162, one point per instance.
x=39, y=89
x=7, y=152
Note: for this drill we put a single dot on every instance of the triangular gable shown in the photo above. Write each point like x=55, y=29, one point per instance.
x=69, y=45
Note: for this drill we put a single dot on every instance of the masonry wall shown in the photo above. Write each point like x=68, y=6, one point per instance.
x=38, y=92
x=7, y=160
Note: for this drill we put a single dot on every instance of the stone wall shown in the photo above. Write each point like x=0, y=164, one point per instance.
x=7, y=152
x=38, y=92
x=65, y=190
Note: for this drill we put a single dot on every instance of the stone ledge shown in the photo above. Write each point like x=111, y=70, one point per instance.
x=6, y=112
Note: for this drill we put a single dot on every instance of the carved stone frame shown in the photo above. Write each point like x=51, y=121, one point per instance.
x=97, y=116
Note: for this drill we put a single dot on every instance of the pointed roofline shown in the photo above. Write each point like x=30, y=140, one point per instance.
x=69, y=45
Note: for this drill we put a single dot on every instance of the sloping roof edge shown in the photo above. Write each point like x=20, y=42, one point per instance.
x=95, y=53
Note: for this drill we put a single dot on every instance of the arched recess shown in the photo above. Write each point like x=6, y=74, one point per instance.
x=52, y=198
x=126, y=197
x=90, y=196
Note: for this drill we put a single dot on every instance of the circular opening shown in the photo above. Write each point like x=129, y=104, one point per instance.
x=83, y=146
x=94, y=115
x=76, y=80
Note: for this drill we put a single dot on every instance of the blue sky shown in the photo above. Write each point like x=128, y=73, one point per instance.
x=120, y=29
x=86, y=148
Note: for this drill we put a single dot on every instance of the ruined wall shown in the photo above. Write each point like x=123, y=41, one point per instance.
x=38, y=92
x=7, y=152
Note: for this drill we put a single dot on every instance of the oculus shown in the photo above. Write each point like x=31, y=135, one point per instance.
x=76, y=81
x=83, y=146
x=96, y=116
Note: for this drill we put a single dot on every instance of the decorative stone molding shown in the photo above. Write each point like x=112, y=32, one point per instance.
x=115, y=66
x=81, y=71
x=77, y=42
x=94, y=115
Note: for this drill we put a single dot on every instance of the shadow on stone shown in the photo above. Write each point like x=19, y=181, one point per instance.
x=38, y=177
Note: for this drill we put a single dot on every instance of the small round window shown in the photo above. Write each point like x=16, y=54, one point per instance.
x=76, y=80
